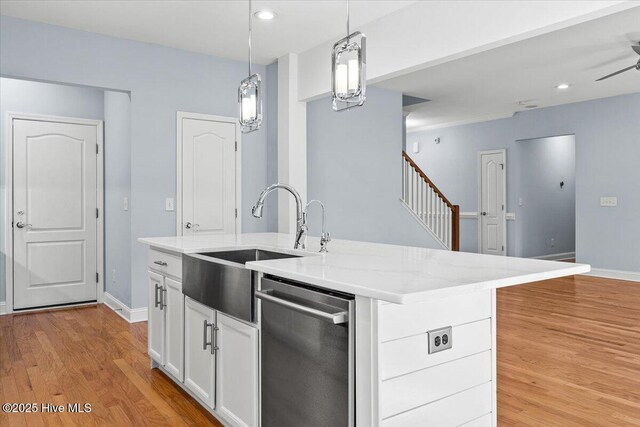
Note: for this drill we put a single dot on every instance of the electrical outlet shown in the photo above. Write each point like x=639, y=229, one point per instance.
x=609, y=201
x=113, y=276
x=168, y=204
x=440, y=339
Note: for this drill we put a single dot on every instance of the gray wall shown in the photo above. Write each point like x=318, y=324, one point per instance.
x=21, y=96
x=117, y=182
x=607, y=133
x=355, y=167
x=161, y=81
x=271, y=107
x=546, y=213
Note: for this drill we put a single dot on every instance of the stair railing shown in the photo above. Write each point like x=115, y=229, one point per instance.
x=428, y=203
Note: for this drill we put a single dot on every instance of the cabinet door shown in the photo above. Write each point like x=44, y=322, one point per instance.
x=155, y=323
x=199, y=350
x=173, y=301
x=237, y=376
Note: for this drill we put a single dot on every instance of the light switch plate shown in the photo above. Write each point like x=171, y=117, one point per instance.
x=169, y=204
x=608, y=201
x=440, y=339
x=125, y=204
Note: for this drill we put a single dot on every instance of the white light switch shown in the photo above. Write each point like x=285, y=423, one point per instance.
x=125, y=204
x=416, y=147
x=608, y=201
x=168, y=204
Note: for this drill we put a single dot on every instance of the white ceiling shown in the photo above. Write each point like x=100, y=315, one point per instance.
x=212, y=27
x=489, y=85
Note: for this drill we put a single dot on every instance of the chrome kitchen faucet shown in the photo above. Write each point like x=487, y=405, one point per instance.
x=301, y=223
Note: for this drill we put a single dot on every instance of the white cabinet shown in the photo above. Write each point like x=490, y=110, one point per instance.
x=156, y=319
x=213, y=355
x=199, y=350
x=173, y=307
x=166, y=323
x=237, y=379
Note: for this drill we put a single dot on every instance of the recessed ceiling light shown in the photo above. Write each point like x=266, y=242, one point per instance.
x=265, y=15
x=563, y=86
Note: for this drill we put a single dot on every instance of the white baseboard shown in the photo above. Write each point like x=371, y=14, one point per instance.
x=632, y=276
x=131, y=315
x=3, y=308
x=556, y=257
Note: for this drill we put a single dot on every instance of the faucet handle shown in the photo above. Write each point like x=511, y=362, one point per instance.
x=324, y=239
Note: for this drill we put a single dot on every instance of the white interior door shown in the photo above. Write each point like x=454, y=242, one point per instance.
x=54, y=202
x=492, y=203
x=208, y=177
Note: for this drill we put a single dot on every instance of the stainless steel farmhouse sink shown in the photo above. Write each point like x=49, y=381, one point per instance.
x=221, y=281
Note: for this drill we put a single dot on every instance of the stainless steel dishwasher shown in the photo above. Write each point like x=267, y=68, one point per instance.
x=307, y=355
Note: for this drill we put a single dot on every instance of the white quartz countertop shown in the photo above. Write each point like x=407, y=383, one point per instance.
x=397, y=274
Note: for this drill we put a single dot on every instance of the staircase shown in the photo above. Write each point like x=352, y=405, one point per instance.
x=429, y=206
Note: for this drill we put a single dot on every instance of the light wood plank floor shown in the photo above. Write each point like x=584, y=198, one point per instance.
x=568, y=355
x=88, y=355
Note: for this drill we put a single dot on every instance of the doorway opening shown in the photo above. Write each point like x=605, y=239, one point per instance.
x=56, y=191
x=546, y=198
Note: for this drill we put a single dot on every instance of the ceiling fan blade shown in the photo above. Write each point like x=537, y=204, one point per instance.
x=636, y=49
x=617, y=72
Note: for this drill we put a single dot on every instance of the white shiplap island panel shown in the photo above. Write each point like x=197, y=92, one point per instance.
x=401, y=293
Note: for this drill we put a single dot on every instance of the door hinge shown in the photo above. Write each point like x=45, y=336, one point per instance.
x=502, y=207
x=502, y=248
x=236, y=145
x=97, y=213
x=502, y=166
x=236, y=212
x=97, y=148
x=97, y=277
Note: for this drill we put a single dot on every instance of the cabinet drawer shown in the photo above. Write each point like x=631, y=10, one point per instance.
x=419, y=388
x=166, y=263
x=472, y=404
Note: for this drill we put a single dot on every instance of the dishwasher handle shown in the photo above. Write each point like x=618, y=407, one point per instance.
x=335, y=318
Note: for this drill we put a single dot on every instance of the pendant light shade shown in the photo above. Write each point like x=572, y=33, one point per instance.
x=348, y=63
x=250, y=100
x=250, y=95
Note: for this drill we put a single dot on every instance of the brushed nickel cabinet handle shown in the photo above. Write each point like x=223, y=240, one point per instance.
x=157, y=302
x=162, y=263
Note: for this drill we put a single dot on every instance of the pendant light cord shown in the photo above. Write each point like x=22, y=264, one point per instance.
x=250, y=38
x=348, y=33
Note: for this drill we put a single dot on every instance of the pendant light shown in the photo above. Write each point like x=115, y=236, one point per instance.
x=348, y=63
x=250, y=95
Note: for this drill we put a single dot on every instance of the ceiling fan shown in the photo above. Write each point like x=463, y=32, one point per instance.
x=636, y=49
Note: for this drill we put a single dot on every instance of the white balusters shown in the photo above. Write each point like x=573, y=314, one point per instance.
x=427, y=204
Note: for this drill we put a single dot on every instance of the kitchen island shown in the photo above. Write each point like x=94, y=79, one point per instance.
x=407, y=302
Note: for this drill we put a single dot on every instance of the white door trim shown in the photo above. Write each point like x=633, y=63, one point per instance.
x=504, y=193
x=181, y=115
x=8, y=202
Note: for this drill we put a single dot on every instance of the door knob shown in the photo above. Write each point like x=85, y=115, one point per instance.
x=187, y=226
x=21, y=224
x=484, y=213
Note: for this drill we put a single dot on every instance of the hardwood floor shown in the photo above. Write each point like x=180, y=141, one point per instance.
x=87, y=355
x=568, y=355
